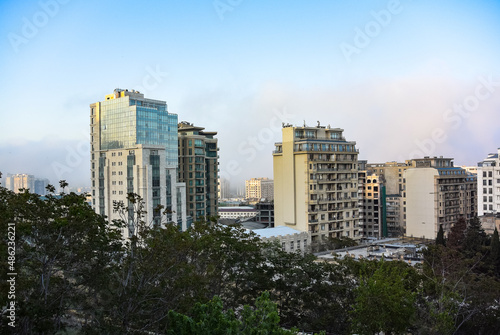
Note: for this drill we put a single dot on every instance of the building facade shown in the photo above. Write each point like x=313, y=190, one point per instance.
x=134, y=150
x=437, y=193
x=259, y=188
x=240, y=212
x=371, y=209
x=265, y=213
x=316, y=182
x=198, y=169
x=15, y=182
x=291, y=240
x=488, y=184
x=224, y=188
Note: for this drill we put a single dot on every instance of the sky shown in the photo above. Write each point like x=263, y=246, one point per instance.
x=404, y=79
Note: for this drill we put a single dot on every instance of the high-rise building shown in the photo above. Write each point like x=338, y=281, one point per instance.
x=391, y=177
x=316, y=182
x=488, y=184
x=259, y=188
x=40, y=186
x=198, y=169
x=134, y=150
x=370, y=205
x=437, y=193
x=15, y=182
x=224, y=188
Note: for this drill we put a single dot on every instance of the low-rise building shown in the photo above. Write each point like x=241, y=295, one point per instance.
x=242, y=212
x=291, y=240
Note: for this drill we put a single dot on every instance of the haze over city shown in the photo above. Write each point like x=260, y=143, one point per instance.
x=402, y=78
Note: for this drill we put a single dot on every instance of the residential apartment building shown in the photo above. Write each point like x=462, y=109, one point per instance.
x=437, y=193
x=134, y=149
x=291, y=240
x=15, y=182
x=40, y=186
x=265, y=213
x=392, y=182
x=240, y=212
x=370, y=205
x=259, y=188
x=394, y=215
x=316, y=182
x=224, y=189
x=198, y=169
x=488, y=184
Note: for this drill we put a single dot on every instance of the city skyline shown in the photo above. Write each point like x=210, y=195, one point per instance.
x=401, y=77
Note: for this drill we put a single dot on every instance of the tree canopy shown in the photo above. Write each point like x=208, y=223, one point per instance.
x=76, y=274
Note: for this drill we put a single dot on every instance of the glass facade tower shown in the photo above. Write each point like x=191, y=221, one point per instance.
x=134, y=149
x=131, y=119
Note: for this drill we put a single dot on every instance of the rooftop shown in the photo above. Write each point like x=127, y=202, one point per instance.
x=276, y=231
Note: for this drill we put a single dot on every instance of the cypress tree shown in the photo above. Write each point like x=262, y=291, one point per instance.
x=495, y=253
x=440, y=236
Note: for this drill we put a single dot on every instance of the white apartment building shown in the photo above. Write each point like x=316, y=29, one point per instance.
x=134, y=149
x=488, y=185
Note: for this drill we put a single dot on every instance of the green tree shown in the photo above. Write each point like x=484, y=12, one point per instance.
x=456, y=237
x=211, y=319
x=64, y=253
x=494, y=257
x=440, y=236
x=475, y=238
x=384, y=301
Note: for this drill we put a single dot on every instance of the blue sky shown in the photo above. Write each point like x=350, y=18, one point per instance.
x=243, y=67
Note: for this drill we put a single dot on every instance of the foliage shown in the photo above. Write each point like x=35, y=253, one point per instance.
x=64, y=253
x=384, y=300
x=211, y=319
x=494, y=258
x=77, y=274
x=440, y=236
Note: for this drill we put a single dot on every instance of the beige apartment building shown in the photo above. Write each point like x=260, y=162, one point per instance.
x=370, y=210
x=198, y=169
x=20, y=181
x=437, y=193
x=259, y=188
x=393, y=199
x=315, y=182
